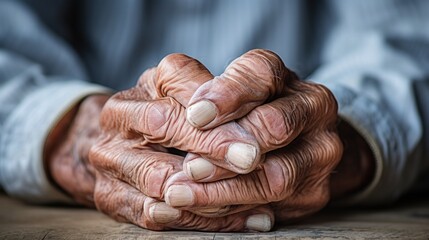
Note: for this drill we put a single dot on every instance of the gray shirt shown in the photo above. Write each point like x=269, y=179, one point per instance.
x=373, y=55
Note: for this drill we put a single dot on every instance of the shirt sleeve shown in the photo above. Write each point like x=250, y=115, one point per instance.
x=22, y=172
x=41, y=78
x=376, y=64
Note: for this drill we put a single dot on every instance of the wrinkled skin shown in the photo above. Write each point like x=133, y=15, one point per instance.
x=124, y=170
x=129, y=171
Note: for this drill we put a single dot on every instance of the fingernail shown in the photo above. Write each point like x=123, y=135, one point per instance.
x=259, y=222
x=162, y=213
x=199, y=168
x=201, y=113
x=179, y=196
x=241, y=155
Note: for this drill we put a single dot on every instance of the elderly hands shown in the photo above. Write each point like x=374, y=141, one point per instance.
x=260, y=146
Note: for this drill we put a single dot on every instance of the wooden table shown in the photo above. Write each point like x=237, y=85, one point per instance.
x=407, y=220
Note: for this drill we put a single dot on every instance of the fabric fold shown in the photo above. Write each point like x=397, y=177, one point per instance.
x=22, y=171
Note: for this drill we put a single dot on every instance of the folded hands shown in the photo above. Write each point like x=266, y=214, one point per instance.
x=184, y=149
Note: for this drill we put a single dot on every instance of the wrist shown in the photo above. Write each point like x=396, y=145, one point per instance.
x=357, y=165
x=55, y=139
x=67, y=146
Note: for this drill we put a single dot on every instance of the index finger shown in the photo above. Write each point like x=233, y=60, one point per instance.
x=177, y=76
x=126, y=204
x=163, y=122
x=307, y=108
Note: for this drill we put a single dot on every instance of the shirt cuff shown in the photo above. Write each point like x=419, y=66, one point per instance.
x=22, y=171
x=380, y=131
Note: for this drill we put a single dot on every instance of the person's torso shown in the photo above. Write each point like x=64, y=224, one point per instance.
x=118, y=40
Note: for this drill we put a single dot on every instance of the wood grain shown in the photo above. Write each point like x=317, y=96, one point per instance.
x=407, y=220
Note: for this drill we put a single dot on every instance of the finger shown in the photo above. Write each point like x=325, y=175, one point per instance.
x=247, y=82
x=307, y=108
x=140, y=166
x=259, y=219
x=147, y=84
x=221, y=211
x=303, y=165
x=201, y=170
x=177, y=76
x=124, y=203
x=163, y=122
x=301, y=205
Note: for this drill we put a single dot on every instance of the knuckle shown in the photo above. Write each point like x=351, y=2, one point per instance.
x=146, y=77
x=114, y=201
x=130, y=117
x=287, y=174
x=147, y=83
x=168, y=69
x=328, y=149
x=272, y=64
x=304, y=165
x=281, y=123
x=176, y=71
x=320, y=102
x=328, y=98
x=103, y=155
x=95, y=154
x=259, y=67
x=174, y=62
x=145, y=172
x=158, y=119
x=333, y=147
x=122, y=204
x=106, y=114
x=123, y=105
x=140, y=215
x=278, y=185
x=104, y=200
x=152, y=175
